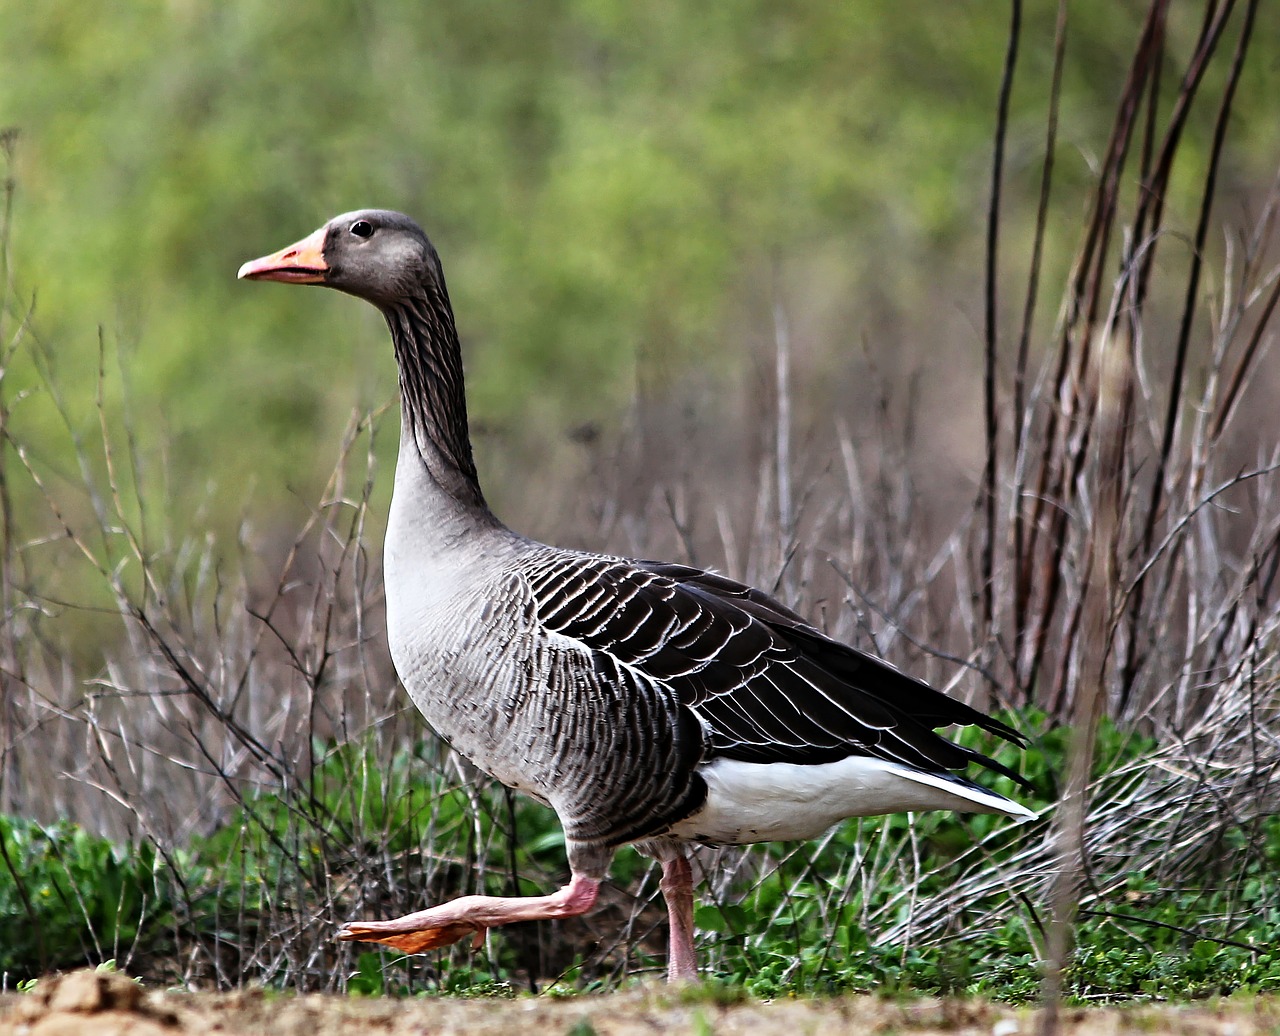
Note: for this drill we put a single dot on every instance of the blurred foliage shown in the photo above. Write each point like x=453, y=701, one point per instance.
x=610, y=184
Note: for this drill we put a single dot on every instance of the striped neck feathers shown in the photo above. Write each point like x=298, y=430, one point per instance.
x=431, y=390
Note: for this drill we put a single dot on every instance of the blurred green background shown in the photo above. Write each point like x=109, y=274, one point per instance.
x=619, y=192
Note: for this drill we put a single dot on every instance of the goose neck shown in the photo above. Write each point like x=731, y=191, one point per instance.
x=432, y=397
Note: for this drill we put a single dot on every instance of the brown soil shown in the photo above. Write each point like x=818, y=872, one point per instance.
x=87, y=1003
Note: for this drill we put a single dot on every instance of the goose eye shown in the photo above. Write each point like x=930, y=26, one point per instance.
x=362, y=228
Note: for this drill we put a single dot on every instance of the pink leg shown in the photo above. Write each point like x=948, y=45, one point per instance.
x=677, y=890
x=449, y=922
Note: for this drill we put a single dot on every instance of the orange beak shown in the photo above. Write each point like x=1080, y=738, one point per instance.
x=302, y=263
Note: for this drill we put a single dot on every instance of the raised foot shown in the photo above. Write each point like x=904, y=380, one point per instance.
x=471, y=915
x=410, y=940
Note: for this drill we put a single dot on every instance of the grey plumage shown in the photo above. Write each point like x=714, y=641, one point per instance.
x=645, y=702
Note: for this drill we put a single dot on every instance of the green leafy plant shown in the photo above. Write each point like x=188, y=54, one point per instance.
x=72, y=897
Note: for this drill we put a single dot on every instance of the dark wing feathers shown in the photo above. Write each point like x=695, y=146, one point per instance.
x=767, y=686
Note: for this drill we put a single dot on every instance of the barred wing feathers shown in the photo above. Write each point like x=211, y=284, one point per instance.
x=765, y=685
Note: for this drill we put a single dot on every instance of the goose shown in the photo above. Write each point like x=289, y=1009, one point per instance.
x=648, y=704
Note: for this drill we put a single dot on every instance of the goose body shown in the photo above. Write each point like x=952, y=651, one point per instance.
x=647, y=703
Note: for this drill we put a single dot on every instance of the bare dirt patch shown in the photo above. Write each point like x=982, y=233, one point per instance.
x=87, y=1003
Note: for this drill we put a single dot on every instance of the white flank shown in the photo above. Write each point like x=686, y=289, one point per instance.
x=767, y=802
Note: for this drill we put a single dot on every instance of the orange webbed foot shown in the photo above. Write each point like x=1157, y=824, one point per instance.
x=416, y=941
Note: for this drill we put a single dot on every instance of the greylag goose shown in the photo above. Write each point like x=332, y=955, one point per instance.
x=649, y=704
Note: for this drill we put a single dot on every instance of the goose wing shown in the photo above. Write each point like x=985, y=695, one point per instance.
x=766, y=685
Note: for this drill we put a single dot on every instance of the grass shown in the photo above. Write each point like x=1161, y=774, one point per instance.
x=795, y=920
x=220, y=720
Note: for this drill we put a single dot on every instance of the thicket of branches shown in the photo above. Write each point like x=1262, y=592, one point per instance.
x=1120, y=560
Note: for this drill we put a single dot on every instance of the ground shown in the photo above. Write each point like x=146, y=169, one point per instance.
x=87, y=1003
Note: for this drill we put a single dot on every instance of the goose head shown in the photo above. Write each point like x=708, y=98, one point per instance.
x=377, y=255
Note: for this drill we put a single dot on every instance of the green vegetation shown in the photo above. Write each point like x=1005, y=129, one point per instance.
x=69, y=897
x=794, y=927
